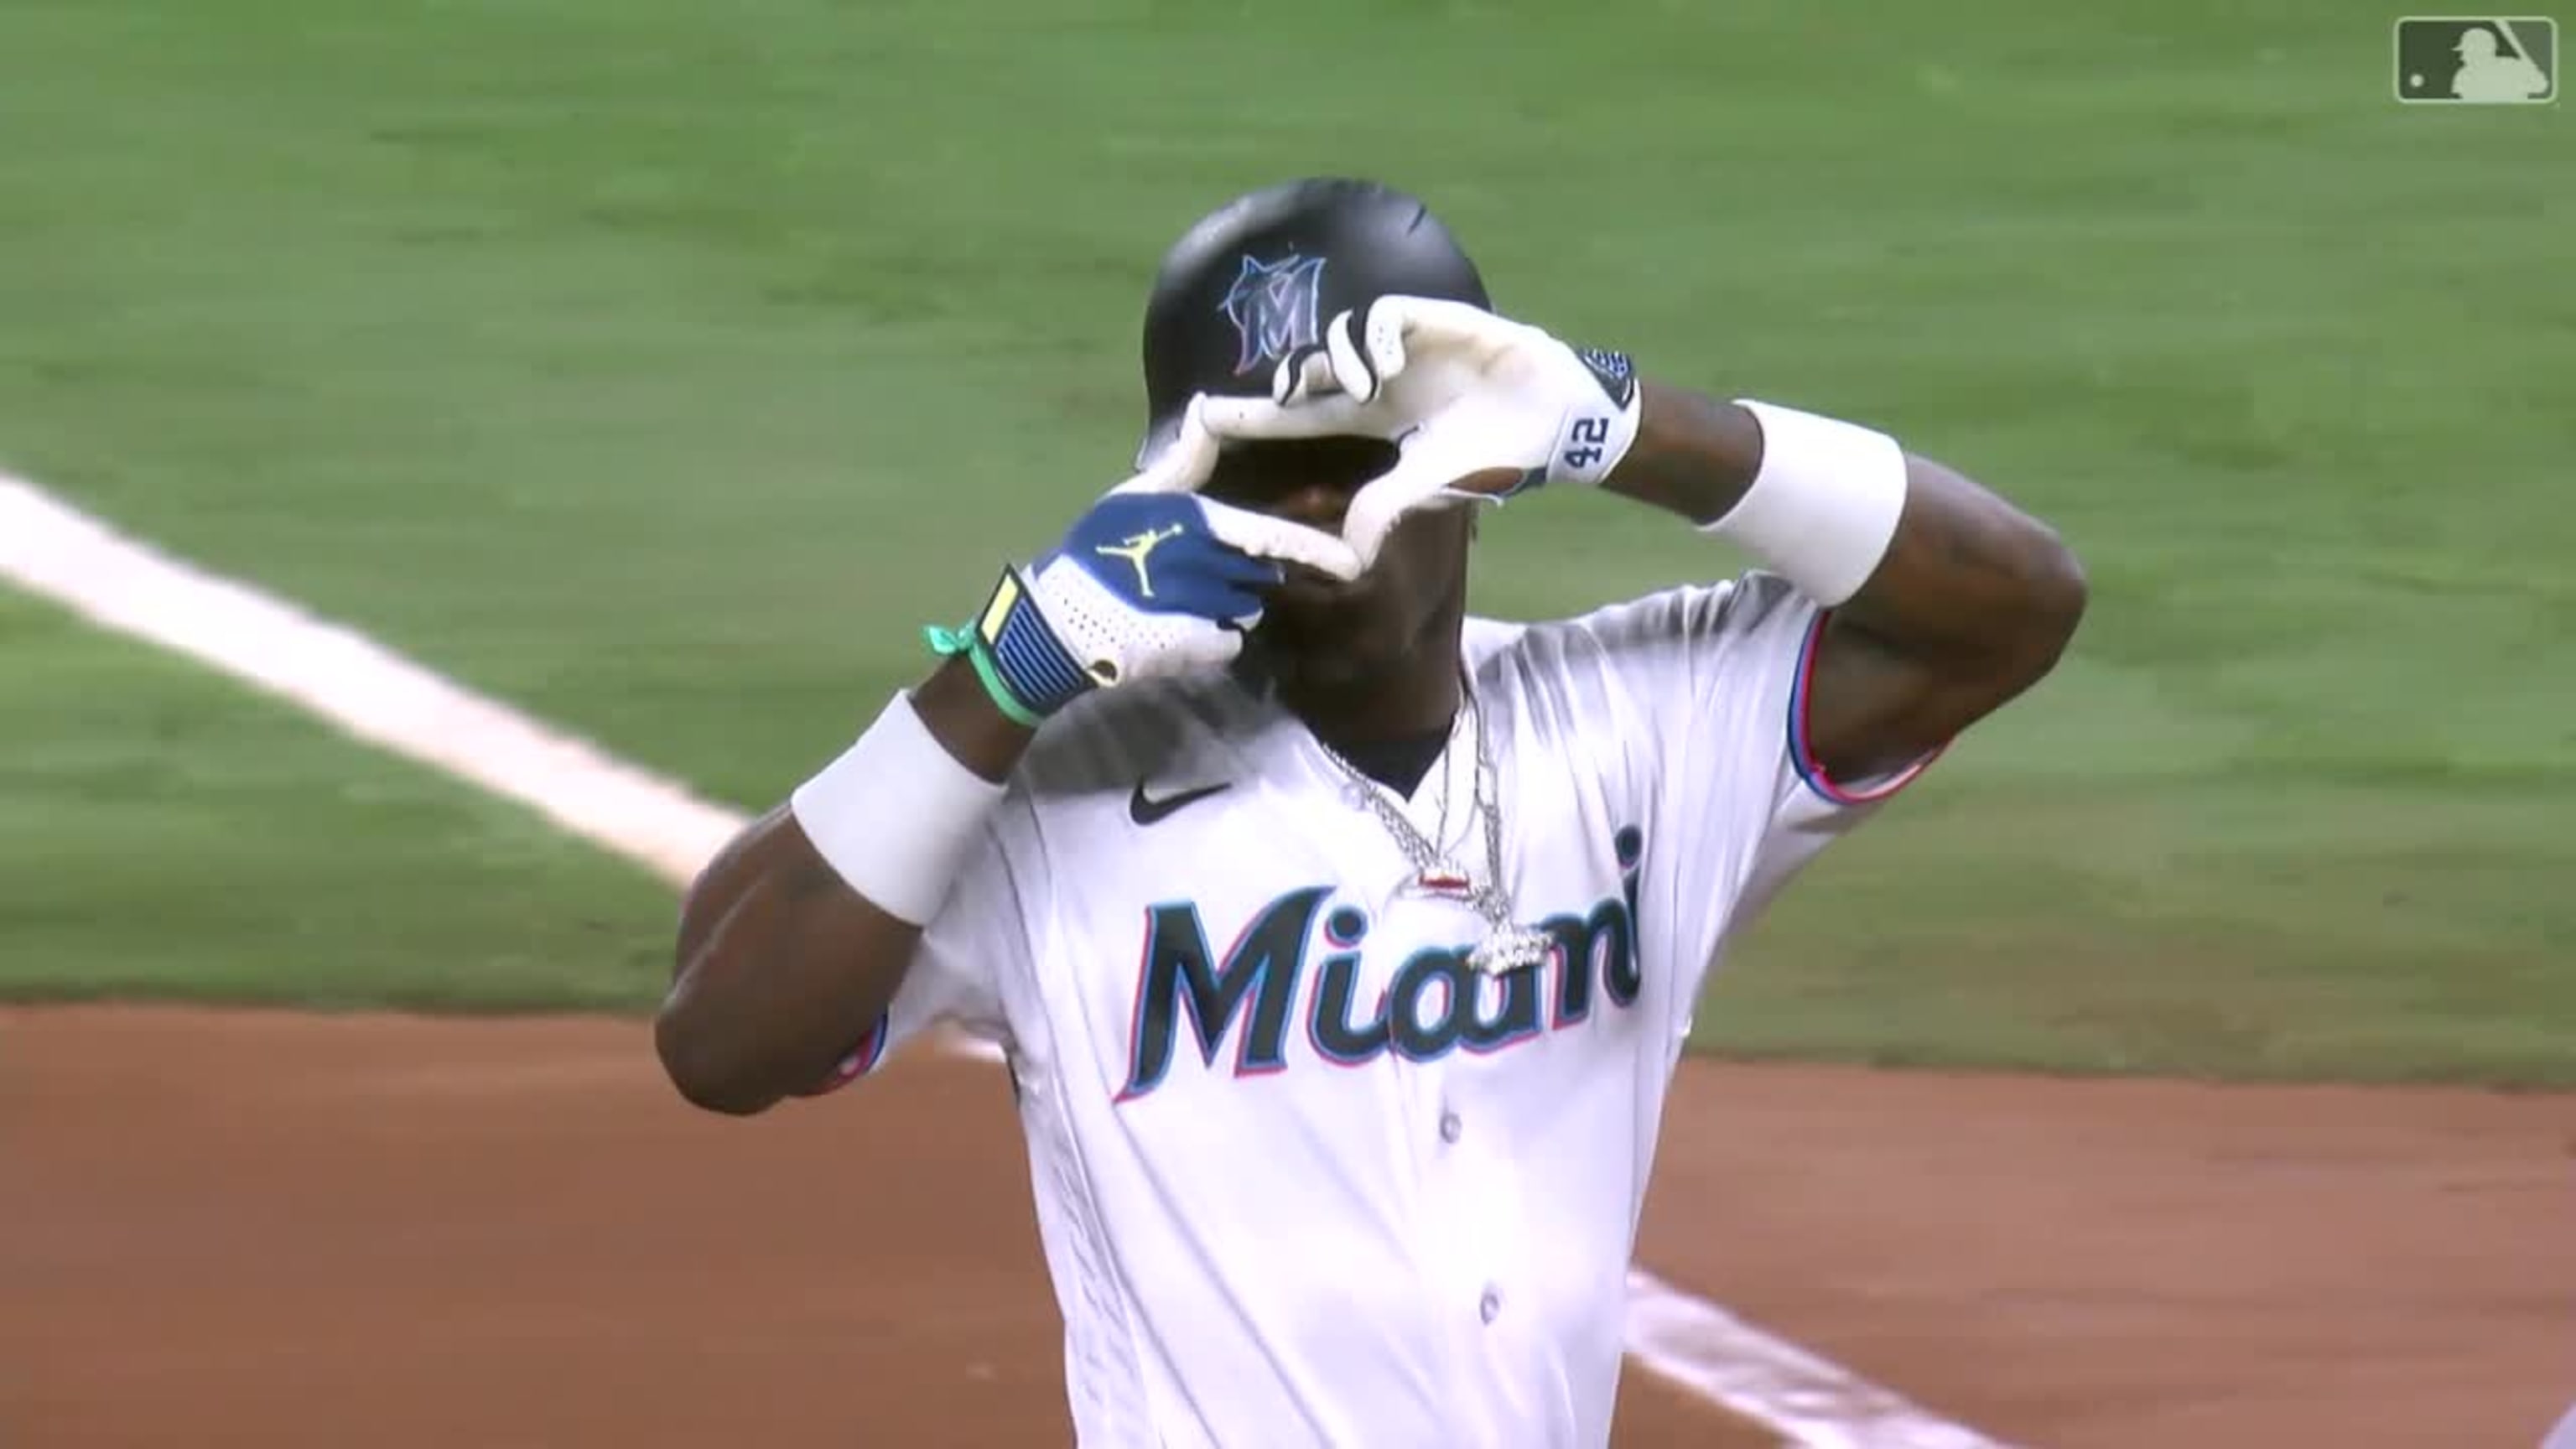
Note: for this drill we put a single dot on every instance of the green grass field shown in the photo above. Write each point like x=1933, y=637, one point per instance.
x=167, y=836
x=663, y=366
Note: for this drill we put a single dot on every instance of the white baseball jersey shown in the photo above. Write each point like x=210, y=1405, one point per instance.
x=1302, y=1178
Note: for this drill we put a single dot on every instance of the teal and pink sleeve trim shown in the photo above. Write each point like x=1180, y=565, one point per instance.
x=857, y=1062
x=1802, y=754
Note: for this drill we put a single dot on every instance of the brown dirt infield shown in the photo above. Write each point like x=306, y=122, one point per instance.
x=274, y=1230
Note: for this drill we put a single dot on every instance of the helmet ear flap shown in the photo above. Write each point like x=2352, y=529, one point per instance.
x=1179, y=458
x=1157, y=441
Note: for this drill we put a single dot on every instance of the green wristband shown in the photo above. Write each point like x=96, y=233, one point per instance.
x=948, y=642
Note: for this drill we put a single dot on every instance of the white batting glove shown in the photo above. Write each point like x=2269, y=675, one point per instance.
x=1480, y=407
x=1152, y=582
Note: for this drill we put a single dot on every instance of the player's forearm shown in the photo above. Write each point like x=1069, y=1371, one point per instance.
x=782, y=961
x=1970, y=581
x=961, y=715
x=1694, y=455
x=1967, y=580
x=782, y=968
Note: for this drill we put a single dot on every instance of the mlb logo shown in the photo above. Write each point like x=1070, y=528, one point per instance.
x=2477, y=60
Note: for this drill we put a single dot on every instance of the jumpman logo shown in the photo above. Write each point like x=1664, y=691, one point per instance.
x=1134, y=550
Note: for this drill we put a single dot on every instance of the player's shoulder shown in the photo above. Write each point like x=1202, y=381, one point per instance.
x=1681, y=616
x=1113, y=739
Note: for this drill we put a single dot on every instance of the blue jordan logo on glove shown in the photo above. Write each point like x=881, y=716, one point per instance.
x=1157, y=554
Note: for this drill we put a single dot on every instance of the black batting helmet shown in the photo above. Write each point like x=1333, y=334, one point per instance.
x=1258, y=277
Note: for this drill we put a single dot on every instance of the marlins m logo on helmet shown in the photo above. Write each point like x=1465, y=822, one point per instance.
x=1273, y=306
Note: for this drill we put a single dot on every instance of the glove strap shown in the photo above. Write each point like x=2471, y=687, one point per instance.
x=1024, y=667
x=950, y=642
x=1598, y=431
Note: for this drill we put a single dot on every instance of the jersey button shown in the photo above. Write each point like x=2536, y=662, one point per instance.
x=1450, y=1126
x=1490, y=1307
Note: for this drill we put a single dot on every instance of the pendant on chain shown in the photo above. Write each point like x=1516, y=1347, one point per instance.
x=1513, y=948
x=1446, y=882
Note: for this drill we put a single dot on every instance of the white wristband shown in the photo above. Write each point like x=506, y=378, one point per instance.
x=895, y=814
x=1824, y=504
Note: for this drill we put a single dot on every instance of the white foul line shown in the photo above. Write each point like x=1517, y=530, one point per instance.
x=1816, y=1402
x=376, y=695
x=341, y=675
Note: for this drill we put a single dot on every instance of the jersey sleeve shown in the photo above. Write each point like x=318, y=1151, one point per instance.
x=955, y=979
x=1718, y=676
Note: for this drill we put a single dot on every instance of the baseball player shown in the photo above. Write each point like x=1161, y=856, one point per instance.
x=1341, y=943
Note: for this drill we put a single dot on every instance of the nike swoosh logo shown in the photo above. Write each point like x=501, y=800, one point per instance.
x=1145, y=810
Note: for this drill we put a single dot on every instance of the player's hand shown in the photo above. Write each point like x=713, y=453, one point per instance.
x=1480, y=407
x=1153, y=581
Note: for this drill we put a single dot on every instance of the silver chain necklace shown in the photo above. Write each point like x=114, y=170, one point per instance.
x=1509, y=947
